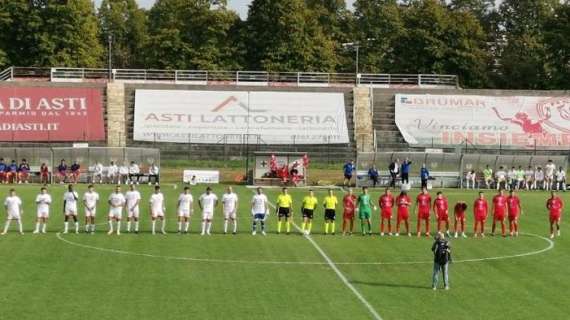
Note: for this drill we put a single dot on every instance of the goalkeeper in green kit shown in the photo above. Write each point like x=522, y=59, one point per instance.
x=365, y=206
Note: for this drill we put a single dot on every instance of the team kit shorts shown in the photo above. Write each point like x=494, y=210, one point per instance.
x=185, y=213
x=348, y=214
x=308, y=213
x=14, y=216
x=259, y=216
x=364, y=214
x=423, y=214
x=90, y=213
x=116, y=213
x=206, y=215
x=284, y=212
x=330, y=214
x=403, y=214
x=43, y=214
x=387, y=214
x=71, y=211
x=157, y=213
x=133, y=213
x=230, y=215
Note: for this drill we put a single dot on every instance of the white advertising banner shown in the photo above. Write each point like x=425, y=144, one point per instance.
x=516, y=121
x=233, y=117
x=201, y=176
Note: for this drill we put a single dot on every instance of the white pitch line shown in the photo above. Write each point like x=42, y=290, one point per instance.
x=341, y=276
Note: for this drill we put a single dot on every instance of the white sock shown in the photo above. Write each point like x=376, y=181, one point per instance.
x=118, y=226
x=110, y=225
x=209, y=226
x=186, y=226
x=137, y=226
x=77, y=227
x=235, y=226
x=203, y=227
x=87, y=227
x=162, y=223
x=7, y=225
x=129, y=226
x=44, y=227
x=93, y=228
x=37, y=227
x=153, y=226
x=225, y=226
x=20, y=226
x=65, y=226
x=179, y=226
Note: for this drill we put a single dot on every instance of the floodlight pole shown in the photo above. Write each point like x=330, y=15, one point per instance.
x=109, y=49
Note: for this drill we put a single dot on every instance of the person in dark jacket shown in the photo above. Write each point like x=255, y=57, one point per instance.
x=394, y=169
x=406, y=167
x=373, y=175
x=424, y=175
x=441, y=258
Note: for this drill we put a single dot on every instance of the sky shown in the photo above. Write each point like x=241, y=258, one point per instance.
x=238, y=5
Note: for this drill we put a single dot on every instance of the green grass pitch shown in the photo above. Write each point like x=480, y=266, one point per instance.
x=277, y=276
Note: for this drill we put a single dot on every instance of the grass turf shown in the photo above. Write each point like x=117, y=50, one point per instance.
x=150, y=277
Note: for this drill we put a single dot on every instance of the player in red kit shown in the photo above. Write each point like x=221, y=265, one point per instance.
x=459, y=212
x=499, y=212
x=423, y=206
x=515, y=210
x=554, y=205
x=480, y=211
x=349, y=203
x=441, y=211
x=386, y=203
x=403, y=201
x=44, y=174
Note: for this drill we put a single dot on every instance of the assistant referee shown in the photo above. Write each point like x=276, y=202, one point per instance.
x=284, y=206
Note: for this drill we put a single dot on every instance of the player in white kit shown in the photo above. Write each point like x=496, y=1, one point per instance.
x=116, y=204
x=90, y=199
x=185, y=210
x=230, y=205
x=561, y=179
x=98, y=173
x=157, y=209
x=13, y=205
x=70, y=198
x=43, y=201
x=112, y=173
x=208, y=202
x=549, y=170
x=133, y=198
x=259, y=210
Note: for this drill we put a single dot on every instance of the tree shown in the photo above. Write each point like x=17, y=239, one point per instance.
x=522, y=52
x=192, y=34
x=437, y=40
x=557, y=43
x=285, y=35
x=378, y=25
x=46, y=33
x=125, y=22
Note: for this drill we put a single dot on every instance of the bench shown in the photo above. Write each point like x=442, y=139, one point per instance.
x=438, y=179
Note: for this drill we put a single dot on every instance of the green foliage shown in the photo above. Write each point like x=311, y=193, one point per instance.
x=557, y=43
x=126, y=23
x=192, y=34
x=285, y=35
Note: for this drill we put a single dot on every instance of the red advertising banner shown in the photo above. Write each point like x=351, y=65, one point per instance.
x=51, y=114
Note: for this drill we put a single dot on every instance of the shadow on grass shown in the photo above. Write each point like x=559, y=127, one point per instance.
x=391, y=285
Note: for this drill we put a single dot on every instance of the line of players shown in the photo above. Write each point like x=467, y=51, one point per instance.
x=502, y=207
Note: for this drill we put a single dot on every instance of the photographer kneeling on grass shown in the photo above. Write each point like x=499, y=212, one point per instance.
x=441, y=258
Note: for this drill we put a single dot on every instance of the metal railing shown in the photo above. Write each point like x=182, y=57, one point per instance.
x=7, y=74
x=261, y=78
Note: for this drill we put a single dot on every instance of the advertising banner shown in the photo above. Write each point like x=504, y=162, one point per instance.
x=514, y=121
x=236, y=117
x=51, y=114
x=201, y=176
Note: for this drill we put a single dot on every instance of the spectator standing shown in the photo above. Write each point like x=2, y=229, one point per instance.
x=470, y=178
x=538, y=179
x=44, y=173
x=549, y=170
x=424, y=176
x=348, y=170
x=394, y=169
x=441, y=258
x=406, y=167
x=373, y=175
x=134, y=173
x=520, y=178
x=561, y=179
x=98, y=172
x=488, y=176
x=153, y=174
x=123, y=173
